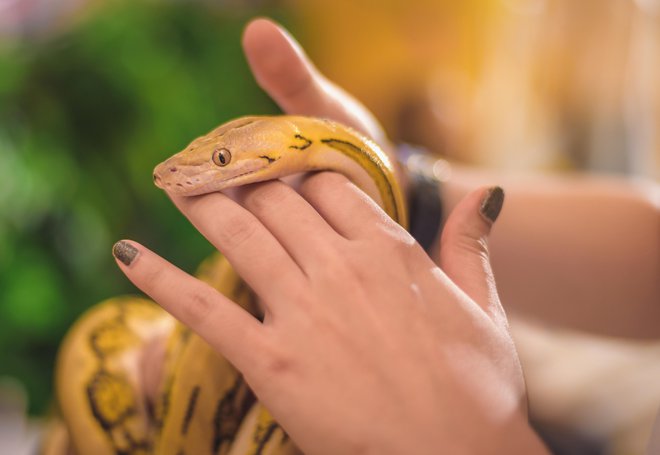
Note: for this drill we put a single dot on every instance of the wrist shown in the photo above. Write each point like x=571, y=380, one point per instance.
x=519, y=439
x=424, y=175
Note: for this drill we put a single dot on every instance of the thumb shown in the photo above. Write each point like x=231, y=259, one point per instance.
x=464, y=247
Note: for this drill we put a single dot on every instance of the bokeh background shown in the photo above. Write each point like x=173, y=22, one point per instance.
x=94, y=93
x=89, y=104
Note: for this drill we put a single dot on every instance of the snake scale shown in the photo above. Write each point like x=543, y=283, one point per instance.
x=202, y=404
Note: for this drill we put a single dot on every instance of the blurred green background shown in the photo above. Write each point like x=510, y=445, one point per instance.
x=85, y=114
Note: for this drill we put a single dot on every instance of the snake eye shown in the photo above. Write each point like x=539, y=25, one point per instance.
x=221, y=156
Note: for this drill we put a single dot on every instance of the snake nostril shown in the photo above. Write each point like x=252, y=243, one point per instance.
x=156, y=178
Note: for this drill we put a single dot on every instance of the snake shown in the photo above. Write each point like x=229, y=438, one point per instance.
x=202, y=405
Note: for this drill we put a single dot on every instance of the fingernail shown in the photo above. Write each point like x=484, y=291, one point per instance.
x=492, y=204
x=125, y=252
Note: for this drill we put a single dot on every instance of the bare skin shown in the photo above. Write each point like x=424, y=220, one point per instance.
x=334, y=360
x=367, y=346
x=576, y=251
x=544, y=214
x=606, y=231
x=543, y=217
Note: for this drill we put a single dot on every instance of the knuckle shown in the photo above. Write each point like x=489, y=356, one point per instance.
x=468, y=243
x=301, y=86
x=390, y=230
x=397, y=241
x=355, y=273
x=387, y=258
x=267, y=196
x=274, y=362
x=340, y=267
x=237, y=231
x=405, y=245
x=196, y=307
x=153, y=277
x=277, y=365
x=321, y=181
x=413, y=251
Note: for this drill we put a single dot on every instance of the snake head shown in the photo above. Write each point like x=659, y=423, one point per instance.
x=235, y=153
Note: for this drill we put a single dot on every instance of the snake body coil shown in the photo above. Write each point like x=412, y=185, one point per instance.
x=203, y=405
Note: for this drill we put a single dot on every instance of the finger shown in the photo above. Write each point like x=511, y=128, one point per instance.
x=344, y=206
x=464, y=247
x=253, y=251
x=299, y=228
x=282, y=69
x=222, y=323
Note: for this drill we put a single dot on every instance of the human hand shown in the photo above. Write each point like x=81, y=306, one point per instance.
x=282, y=69
x=366, y=345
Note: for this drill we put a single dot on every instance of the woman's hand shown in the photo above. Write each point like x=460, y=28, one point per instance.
x=366, y=345
x=282, y=69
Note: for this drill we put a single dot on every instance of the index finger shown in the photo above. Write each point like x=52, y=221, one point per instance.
x=226, y=326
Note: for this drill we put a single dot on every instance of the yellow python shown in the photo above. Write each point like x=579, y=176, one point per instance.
x=202, y=405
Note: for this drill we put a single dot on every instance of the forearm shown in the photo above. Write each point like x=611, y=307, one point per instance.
x=577, y=251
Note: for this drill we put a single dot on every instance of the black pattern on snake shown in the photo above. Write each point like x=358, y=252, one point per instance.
x=202, y=404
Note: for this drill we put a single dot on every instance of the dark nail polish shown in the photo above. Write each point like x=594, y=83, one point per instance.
x=125, y=252
x=492, y=204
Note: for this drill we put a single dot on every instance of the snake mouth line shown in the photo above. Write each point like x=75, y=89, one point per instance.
x=212, y=186
x=270, y=160
x=231, y=179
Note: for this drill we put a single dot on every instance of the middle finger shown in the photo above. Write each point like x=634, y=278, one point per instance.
x=254, y=252
x=303, y=232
